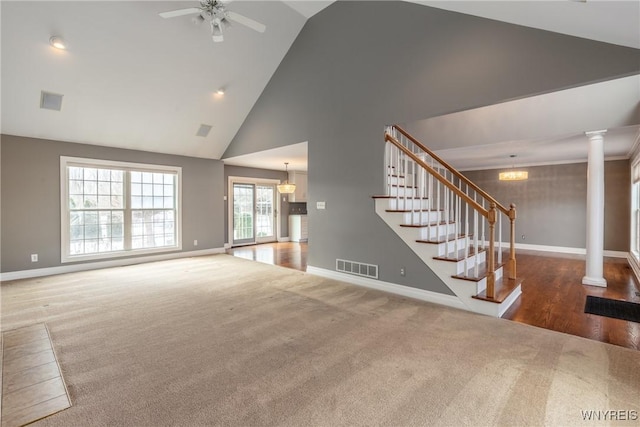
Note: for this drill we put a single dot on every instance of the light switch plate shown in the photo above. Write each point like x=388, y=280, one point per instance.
x=320, y=205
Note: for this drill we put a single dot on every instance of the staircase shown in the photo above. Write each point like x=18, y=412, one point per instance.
x=450, y=223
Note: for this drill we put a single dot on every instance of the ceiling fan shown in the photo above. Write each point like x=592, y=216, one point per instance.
x=215, y=12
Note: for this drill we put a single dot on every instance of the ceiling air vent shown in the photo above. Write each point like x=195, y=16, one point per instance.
x=50, y=101
x=204, y=130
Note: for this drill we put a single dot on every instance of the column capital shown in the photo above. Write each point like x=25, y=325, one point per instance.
x=594, y=133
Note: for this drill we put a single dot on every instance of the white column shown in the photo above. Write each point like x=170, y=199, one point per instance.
x=595, y=211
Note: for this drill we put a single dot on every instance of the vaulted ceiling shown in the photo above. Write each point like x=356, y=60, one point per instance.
x=131, y=79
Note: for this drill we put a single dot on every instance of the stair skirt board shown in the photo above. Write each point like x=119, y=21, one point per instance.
x=393, y=288
x=464, y=289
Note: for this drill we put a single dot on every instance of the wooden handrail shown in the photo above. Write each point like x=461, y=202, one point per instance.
x=484, y=212
x=453, y=171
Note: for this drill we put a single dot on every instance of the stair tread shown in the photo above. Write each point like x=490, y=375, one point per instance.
x=502, y=289
x=482, y=272
x=382, y=196
x=459, y=256
x=426, y=224
x=442, y=239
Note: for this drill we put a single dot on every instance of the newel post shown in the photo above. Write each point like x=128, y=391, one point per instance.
x=491, y=267
x=512, y=251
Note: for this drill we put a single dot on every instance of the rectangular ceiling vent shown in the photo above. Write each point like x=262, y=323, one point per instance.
x=204, y=130
x=357, y=268
x=50, y=101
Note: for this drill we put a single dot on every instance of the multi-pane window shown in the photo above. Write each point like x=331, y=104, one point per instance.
x=114, y=208
x=152, y=209
x=96, y=214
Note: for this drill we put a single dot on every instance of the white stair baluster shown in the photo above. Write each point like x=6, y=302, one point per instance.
x=499, y=237
x=475, y=243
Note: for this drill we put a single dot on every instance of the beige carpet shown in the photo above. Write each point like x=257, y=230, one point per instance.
x=225, y=341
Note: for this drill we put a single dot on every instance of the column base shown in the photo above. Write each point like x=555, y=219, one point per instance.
x=594, y=281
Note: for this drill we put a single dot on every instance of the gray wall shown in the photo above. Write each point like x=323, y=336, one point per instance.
x=230, y=170
x=30, y=192
x=552, y=204
x=359, y=65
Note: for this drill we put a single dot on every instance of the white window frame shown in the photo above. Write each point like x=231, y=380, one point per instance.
x=65, y=212
x=635, y=209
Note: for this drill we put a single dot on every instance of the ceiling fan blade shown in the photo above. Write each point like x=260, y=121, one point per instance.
x=240, y=19
x=180, y=12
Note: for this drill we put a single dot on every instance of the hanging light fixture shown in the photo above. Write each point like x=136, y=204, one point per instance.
x=513, y=175
x=286, y=188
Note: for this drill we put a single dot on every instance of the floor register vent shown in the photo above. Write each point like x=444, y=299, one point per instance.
x=357, y=268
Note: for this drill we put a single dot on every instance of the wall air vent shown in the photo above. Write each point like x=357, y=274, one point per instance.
x=50, y=101
x=204, y=130
x=357, y=268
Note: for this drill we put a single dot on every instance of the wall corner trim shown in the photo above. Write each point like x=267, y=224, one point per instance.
x=71, y=268
x=393, y=288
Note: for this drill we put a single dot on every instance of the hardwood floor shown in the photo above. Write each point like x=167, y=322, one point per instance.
x=553, y=296
x=285, y=254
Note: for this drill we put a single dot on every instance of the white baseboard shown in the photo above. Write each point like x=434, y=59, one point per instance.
x=227, y=245
x=562, y=249
x=393, y=288
x=635, y=267
x=284, y=239
x=70, y=268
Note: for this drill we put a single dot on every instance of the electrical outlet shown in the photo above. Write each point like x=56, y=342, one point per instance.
x=34, y=257
x=195, y=243
x=402, y=272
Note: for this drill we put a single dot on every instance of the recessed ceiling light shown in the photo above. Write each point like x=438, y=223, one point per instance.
x=57, y=42
x=220, y=91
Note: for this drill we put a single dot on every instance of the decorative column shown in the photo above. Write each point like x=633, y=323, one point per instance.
x=595, y=210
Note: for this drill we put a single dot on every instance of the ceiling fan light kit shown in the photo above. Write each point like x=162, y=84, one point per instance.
x=215, y=12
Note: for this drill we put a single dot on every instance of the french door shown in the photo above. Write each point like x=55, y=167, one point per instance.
x=254, y=213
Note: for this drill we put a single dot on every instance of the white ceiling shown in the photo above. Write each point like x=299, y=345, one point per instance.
x=295, y=155
x=131, y=79
x=540, y=129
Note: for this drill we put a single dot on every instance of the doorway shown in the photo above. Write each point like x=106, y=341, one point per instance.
x=254, y=212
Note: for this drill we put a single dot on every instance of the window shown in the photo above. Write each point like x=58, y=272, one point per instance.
x=112, y=209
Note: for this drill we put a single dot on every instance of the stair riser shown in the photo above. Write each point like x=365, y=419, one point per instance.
x=402, y=203
x=420, y=217
x=402, y=191
x=461, y=266
x=436, y=232
x=450, y=246
x=481, y=285
x=394, y=180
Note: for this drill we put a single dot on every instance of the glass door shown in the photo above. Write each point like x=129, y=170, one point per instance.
x=254, y=213
x=265, y=213
x=243, y=209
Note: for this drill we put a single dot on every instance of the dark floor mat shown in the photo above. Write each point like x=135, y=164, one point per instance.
x=624, y=310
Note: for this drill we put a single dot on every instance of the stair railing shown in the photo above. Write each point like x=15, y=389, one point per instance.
x=423, y=183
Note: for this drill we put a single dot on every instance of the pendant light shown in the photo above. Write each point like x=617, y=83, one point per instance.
x=286, y=188
x=513, y=175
